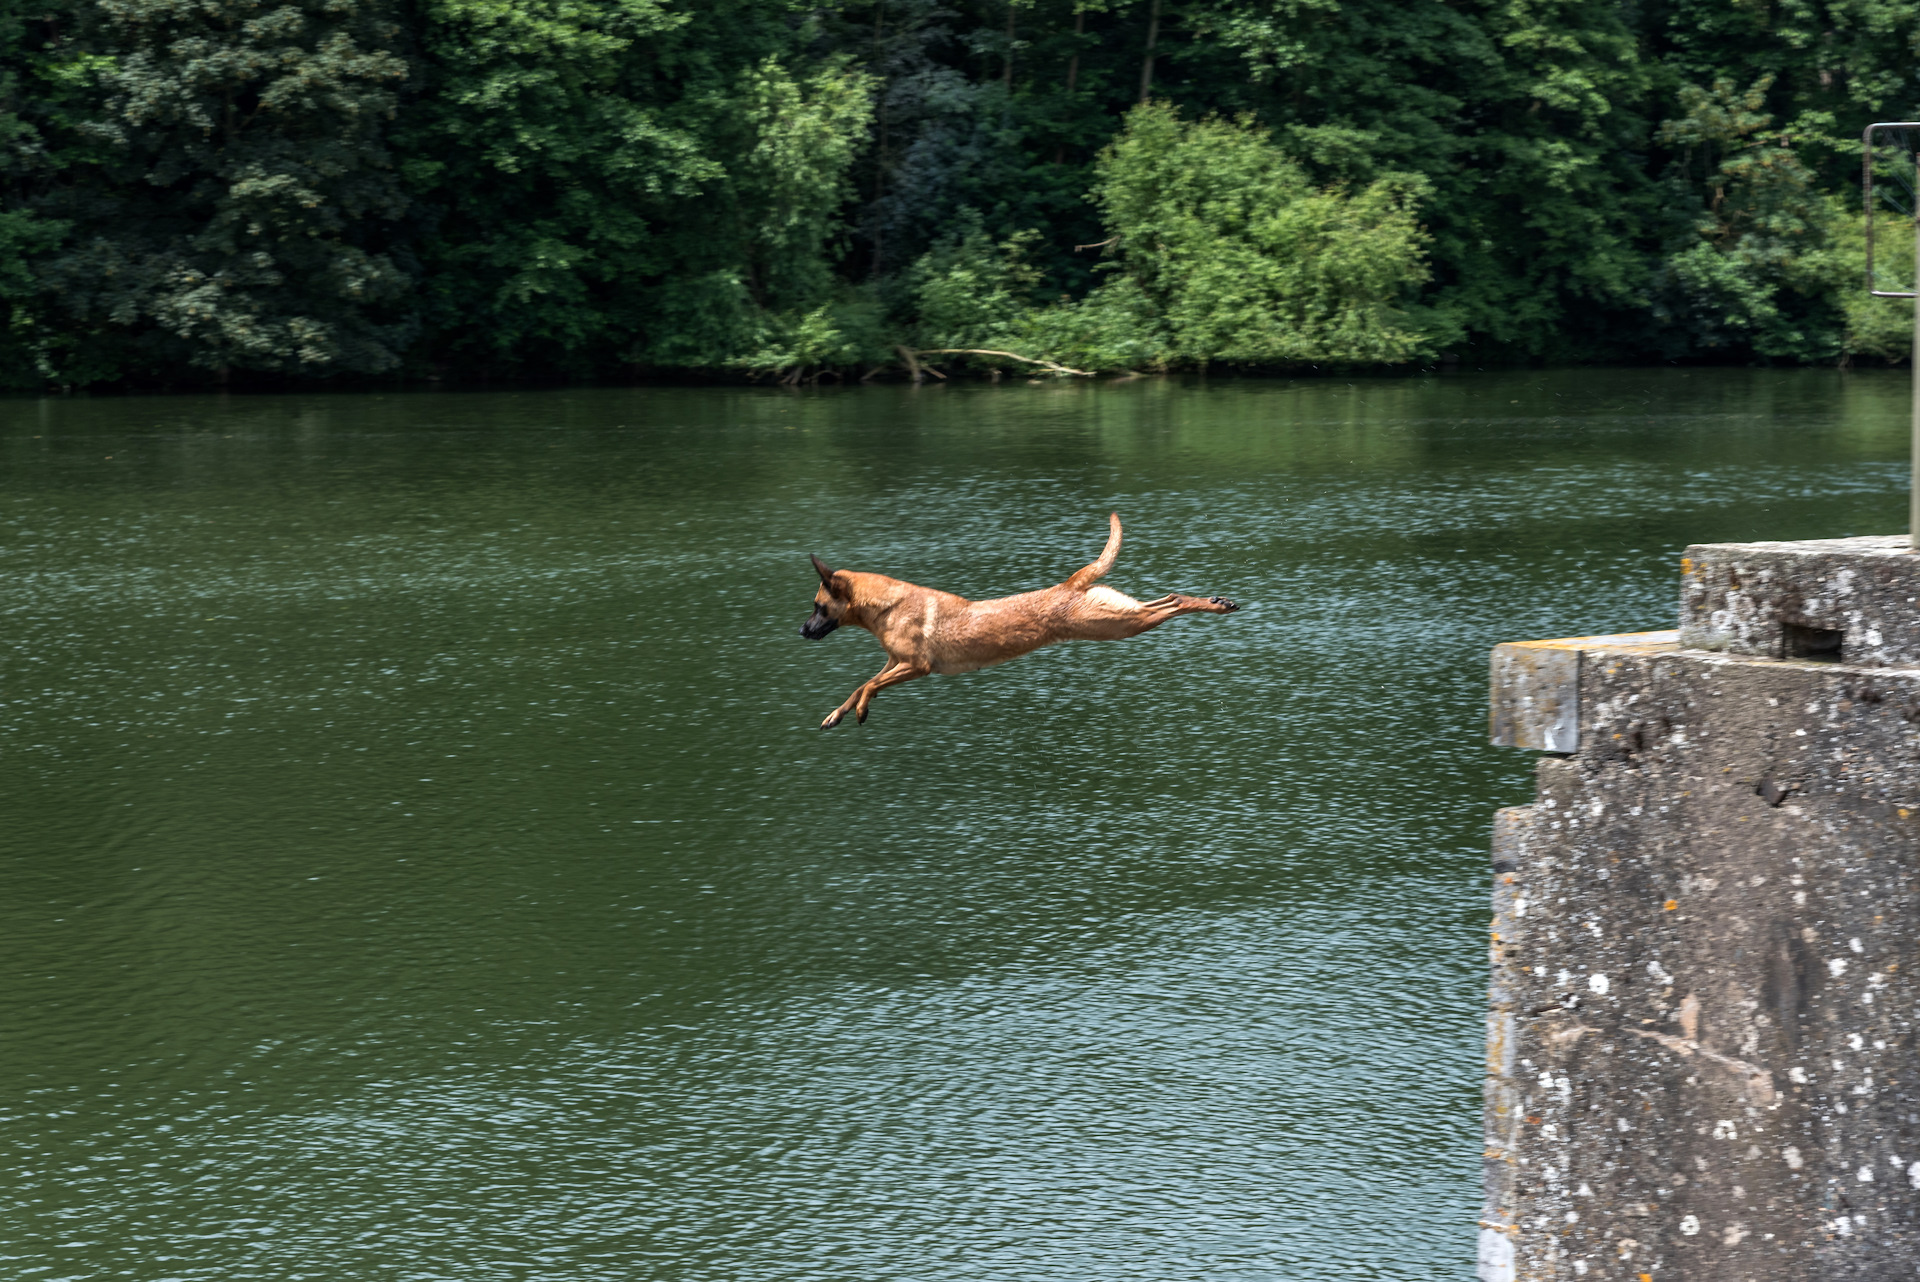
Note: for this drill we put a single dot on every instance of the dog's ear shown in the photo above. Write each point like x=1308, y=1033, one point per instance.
x=826, y=575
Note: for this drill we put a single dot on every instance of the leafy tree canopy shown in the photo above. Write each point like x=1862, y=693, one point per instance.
x=549, y=188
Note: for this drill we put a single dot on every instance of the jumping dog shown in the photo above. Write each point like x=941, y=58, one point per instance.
x=924, y=630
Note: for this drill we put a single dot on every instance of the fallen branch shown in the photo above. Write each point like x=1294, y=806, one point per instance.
x=914, y=368
x=1054, y=366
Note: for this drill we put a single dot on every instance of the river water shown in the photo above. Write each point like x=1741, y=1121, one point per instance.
x=419, y=860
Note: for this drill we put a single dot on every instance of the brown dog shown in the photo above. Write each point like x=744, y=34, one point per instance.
x=923, y=630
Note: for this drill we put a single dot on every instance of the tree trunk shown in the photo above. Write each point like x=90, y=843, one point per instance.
x=1153, y=38
x=1073, y=63
x=1006, y=63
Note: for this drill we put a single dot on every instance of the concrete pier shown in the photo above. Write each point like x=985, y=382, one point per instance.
x=1701, y=1051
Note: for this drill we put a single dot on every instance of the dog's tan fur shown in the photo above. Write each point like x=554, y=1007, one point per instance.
x=925, y=631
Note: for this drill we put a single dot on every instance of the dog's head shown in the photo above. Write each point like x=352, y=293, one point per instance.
x=829, y=603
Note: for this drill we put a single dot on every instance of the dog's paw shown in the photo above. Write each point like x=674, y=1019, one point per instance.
x=833, y=719
x=1226, y=606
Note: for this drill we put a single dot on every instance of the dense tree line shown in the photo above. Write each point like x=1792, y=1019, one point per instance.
x=210, y=189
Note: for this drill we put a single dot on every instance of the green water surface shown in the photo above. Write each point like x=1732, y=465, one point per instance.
x=419, y=860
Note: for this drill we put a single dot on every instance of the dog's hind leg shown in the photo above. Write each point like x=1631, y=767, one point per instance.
x=1101, y=614
x=1172, y=605
x=891, y=675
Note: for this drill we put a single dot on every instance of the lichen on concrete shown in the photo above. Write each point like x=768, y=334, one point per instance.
x=1776, y=600
x=1701, y=1046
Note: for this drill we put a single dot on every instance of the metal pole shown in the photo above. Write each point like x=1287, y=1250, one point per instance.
x=1902, y=140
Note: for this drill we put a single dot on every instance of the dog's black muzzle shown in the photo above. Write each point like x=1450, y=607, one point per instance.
x=818, y=626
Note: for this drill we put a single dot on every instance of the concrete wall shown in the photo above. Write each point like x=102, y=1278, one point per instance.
x=1701, y=1047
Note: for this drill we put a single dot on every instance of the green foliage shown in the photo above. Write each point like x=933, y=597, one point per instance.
x=536, y=163
x=1758, y=272
x=29, y=89
x=1224, y=252
x=229, y=189
x=1880, y=328
x=1244, y=260
x=537, y=188
x=610, y=185
x=1524, y=119
x=28, y=345
x=759, y=239
x=849, y=331
x=801, y=139
x=969, y=291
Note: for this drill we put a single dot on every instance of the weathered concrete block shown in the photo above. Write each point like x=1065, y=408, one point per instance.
x=1701, y=1041
x=1854, y=601
x=1536, y=688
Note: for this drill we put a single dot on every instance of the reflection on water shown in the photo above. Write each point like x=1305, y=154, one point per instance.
x=420, y=860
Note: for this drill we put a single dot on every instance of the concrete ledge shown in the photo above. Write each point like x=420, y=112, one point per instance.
x=1704, y=1022
x=1855, y=601
x=1536, y=687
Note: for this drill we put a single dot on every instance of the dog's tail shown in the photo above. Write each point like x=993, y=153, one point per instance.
x=1089, y=575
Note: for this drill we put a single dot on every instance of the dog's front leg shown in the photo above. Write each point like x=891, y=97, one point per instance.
x=855, y=699
x=838, y=714
x=892, y=674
